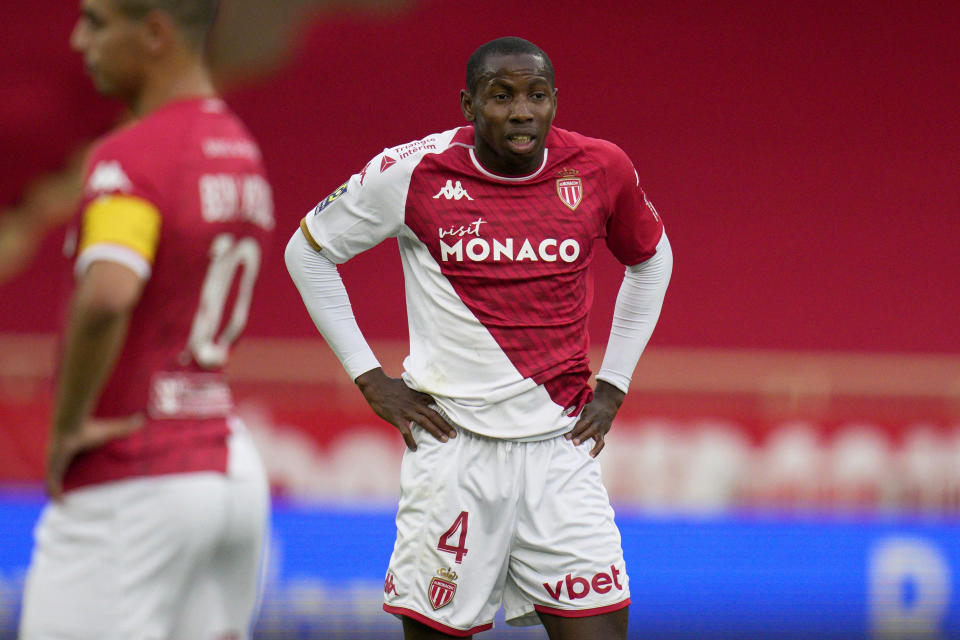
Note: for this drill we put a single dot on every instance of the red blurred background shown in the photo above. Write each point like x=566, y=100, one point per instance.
x=805, y=158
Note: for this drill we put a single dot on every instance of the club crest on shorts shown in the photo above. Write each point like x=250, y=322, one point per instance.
x=569, y=188
x=442, y=588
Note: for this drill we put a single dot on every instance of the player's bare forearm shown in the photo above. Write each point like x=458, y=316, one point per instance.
x=93, y=341
x=398, y=404
x=99, y=318
x=597, y=416
x=100, y=312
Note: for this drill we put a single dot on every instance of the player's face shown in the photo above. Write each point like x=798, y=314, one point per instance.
x=511, y=108
x=113, y=47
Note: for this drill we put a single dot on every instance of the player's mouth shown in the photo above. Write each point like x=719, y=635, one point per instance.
x=521, y=142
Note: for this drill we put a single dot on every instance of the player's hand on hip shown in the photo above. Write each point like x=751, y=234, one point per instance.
x=597, y=417
x=401, y=406
x=94, y=432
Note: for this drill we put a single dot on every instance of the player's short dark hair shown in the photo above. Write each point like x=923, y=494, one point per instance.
x=503, y=47
x=195, y=17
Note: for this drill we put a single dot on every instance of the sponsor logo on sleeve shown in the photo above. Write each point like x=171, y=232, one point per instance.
x=386, y=163
x=406, y=150
x=339, y=191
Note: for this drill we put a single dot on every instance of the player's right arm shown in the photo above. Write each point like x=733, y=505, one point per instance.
x=326, y=299
x=119, y=232
x=102, y=304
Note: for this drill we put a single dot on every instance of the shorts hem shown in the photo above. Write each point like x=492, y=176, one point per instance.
x=582, y=613
x=525, y=617
x=433, y=624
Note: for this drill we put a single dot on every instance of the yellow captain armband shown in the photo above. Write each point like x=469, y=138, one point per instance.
x=124, y=220
x=306, y=234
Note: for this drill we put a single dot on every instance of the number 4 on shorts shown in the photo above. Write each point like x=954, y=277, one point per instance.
x=460, y=524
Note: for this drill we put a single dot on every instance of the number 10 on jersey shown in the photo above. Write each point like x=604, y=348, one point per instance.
x=227, y=255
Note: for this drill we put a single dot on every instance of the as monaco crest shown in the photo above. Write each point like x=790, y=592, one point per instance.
x=441, y=592
x=570, y=191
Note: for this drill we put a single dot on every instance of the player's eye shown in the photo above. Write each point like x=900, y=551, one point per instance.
x=93, y=22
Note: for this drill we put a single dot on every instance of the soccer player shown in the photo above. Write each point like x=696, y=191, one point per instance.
x=501, y=496
x=159, y=500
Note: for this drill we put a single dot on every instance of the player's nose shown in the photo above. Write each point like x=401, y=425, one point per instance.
x=78, y=37
x=521, y=110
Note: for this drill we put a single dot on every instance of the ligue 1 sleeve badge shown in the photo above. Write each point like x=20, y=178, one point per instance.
x=442, y=588
x=569, y=188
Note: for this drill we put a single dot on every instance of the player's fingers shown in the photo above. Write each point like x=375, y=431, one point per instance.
x=53, y=488
x=433, y=417
x=598, y=445
x=436, y=424
x=102, y=431
x=581, y=431
x=54, y=480
x=407, y=433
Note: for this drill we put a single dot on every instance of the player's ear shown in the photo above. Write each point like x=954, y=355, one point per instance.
x=555, y=92
x=466, y=106
x=161, y=31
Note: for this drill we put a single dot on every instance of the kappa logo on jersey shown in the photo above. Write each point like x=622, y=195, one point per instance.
x=388, y=586
x=108, y=176
x=386, y=163
x=342, y=189
x=442, y=588
x=453, y=191
x=578, y=587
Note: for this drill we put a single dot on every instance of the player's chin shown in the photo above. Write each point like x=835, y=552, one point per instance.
x=103, y=85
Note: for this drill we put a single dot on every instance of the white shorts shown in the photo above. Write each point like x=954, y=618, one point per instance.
x=483, y=521
x=160, y=558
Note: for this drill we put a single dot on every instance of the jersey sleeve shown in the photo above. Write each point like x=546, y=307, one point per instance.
x=120, y=217
x=362, y=212
x=634, y=226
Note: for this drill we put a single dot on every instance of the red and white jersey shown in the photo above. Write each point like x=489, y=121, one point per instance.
x=495, y=268
x=180, y=197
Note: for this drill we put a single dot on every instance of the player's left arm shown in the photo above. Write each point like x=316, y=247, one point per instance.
x=635, y=315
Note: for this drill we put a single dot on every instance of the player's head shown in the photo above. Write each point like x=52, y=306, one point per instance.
x=194, y=18
x=477, y=63
x=511, y=101
x=122, y=39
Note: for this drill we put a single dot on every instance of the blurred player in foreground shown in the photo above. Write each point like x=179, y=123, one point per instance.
x=501, y=497
x=159, y=500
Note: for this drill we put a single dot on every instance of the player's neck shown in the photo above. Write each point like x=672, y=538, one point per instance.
x=190, y=79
